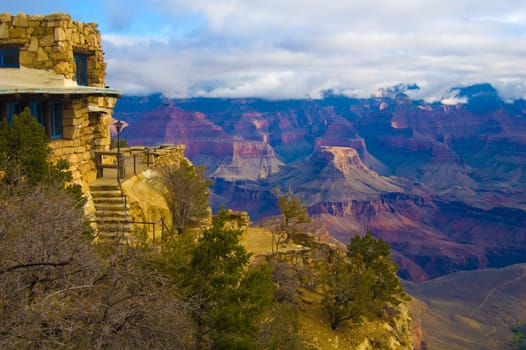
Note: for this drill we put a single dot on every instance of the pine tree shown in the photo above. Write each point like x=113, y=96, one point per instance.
x=362, y=284
x=228, y=299
x=375, y=255
x=24, y=150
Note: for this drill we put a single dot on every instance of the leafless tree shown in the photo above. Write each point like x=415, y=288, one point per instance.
x=58, y=291
x=186, y=192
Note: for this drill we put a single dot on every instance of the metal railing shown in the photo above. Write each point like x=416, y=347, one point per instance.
x=161, y=223
x=165, y=231
x=137, y=159
x=133, y=158
x=117, y=164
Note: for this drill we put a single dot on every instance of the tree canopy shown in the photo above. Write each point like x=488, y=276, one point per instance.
x=24, y=149
x=227, y=298
x=59, y=291
x=186, y=192
x=363, y=283
x=291, y=207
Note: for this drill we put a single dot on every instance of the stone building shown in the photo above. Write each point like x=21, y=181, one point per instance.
x=55, y=66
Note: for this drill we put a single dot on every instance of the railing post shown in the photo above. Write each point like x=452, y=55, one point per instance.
x=147, y=157
x=122, y=168
x=162, y=229
x=98, y=163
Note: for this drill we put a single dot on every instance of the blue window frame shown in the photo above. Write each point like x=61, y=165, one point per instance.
x=12, y=109
x=37, y=112
x=9, y=57
x=52, y=122
x=81, y=61
x=56, y=119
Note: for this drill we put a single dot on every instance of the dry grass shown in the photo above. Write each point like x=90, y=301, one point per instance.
x=258, y=241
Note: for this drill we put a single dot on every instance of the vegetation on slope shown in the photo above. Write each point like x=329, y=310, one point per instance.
x=202, y=291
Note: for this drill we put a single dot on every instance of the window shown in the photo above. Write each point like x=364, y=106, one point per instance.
x=9, y=57
x=37, y=112
x=81, y=61
x=56, y=119
x=49, y=115
x=12, y=109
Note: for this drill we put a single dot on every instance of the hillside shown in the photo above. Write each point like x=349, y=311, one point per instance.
x=315, y=330
x=470, y=309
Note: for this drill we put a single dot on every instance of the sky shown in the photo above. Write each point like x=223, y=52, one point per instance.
x=302, y=48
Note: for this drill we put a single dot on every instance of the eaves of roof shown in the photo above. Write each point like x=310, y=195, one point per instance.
x=76, y=91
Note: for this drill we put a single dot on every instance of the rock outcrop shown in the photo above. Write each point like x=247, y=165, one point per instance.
x=296, y=265
x=251, y=160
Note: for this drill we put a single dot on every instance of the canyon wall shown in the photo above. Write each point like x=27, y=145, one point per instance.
x=443, y=184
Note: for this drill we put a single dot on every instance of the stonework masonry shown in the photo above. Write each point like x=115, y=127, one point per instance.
x=49, y=42
x=84, y=134
x=47, y=74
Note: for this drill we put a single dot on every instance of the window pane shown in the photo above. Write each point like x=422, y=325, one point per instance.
x=13, y=108
x=56, y=120
x=9, y=57
x=37, y=112
x=81, y=62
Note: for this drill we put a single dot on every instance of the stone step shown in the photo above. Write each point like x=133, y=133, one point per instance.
x=110, y=216
x=104, y=187
x=108, y=200
x=110, y=206
x=113, y=229
x=111, y=239
x=111, y=225
x=106, y=194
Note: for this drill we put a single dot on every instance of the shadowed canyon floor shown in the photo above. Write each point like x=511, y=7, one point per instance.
x=470, y=310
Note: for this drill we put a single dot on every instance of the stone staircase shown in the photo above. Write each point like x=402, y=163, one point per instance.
x=112, y=225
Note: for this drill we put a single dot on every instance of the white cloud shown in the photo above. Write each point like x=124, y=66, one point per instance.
x=451, y=101
x=293, y=48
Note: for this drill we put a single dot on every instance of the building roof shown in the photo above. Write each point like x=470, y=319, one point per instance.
x=73, y=91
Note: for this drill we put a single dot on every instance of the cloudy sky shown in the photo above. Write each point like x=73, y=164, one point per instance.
x=299, y=48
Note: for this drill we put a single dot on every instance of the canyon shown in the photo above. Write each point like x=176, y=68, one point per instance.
x=444, y=184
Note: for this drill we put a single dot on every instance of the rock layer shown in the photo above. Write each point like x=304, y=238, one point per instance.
x=443, y=184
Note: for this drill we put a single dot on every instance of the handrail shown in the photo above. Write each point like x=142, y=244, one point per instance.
x=135, y=154
x=130, y=153
x=154, y=223
x=161, y=221
x=123, y=196
x=150, y=156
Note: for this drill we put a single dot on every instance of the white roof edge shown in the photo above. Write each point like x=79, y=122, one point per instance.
x=76, y=90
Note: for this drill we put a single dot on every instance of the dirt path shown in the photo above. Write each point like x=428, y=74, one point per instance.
x=492, y=290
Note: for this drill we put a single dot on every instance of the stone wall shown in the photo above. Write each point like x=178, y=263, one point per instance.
x=49, y=42
x=47, y=46
x=84, y=133
x=167, y=154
